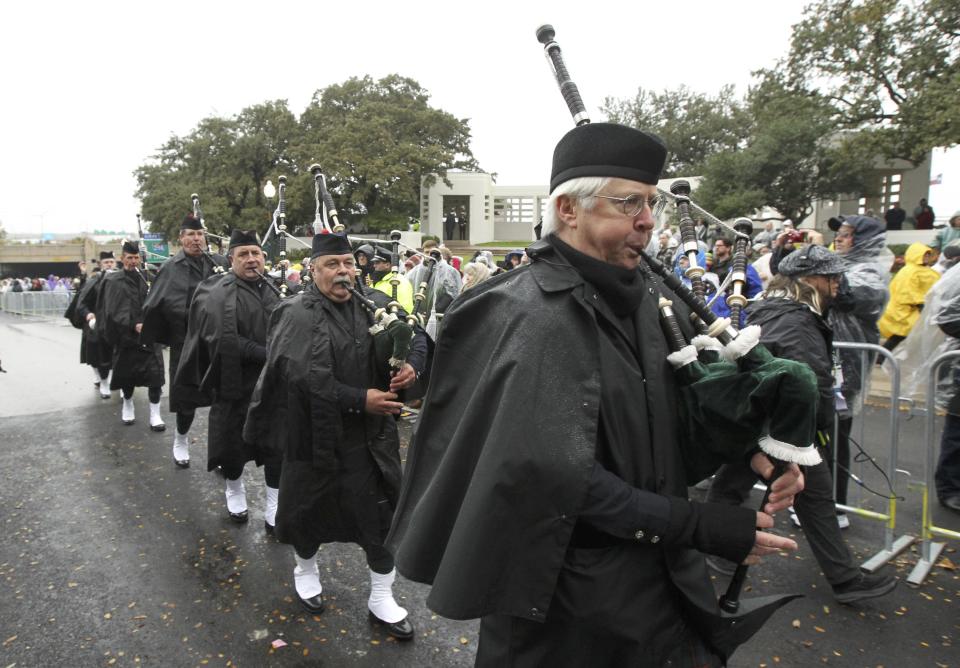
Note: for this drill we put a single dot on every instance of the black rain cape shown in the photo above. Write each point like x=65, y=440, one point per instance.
x=211, y=356
x=120, y=302
x=502, y=454
x=168, y=304
x=212, y=370
x=295, y=410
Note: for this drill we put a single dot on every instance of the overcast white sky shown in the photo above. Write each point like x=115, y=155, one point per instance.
x=91, y=89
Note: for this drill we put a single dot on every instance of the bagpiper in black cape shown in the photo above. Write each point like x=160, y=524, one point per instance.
x=165, y=318
x=168, y=305
x=341, y=468
x=313, y=414
x=545, y=489
x=96, y=351
x=134, y=364
x=223, y=353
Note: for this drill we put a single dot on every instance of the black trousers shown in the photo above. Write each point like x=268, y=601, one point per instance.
x=379, y=559
x=153, y=393
x=271, y=472
x=842, y=474
x=814, y=507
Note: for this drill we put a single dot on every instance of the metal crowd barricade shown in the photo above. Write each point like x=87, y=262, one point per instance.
x=41, y=304
x=930, y=550
x=892, y=546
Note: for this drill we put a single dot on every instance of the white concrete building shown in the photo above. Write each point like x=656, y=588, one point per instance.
x=489, y=212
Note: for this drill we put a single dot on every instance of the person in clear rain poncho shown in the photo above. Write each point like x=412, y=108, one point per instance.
x=938, y=332
x=853, y=317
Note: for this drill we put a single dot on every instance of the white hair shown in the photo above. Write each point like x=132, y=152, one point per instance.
x=474, y=273
x=582, y=189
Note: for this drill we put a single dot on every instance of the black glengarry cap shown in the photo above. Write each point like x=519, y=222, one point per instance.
x=191, y=223
x=330, y=244
x=608, y=149
x=243, y=238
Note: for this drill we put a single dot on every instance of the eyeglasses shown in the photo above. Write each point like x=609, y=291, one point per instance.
x=632, y=205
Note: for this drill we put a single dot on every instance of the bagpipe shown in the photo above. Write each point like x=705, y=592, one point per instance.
x=142, y=269
x=325, y=210
x=392, y=336
x=207, y=252
x=734, y=394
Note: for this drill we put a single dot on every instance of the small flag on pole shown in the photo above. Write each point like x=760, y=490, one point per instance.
x=937, y=180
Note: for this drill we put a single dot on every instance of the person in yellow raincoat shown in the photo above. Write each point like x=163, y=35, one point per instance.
x=908, y=291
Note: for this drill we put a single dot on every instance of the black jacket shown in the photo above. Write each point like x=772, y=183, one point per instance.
x=166, y=309
x=501, y=466
x=794, y=331
x=308, y=404
x=119, y=310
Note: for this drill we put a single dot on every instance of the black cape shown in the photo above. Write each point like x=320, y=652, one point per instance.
x=78, y=319
x=119, y=309
x=168, y=304
x=503, y=451
x=309, y=412
x=216, y=366
x=96, y=351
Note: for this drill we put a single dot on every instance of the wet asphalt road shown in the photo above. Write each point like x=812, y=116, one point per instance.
x=113, y=557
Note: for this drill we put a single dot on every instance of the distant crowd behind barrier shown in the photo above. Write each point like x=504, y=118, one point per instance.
x=44, y=297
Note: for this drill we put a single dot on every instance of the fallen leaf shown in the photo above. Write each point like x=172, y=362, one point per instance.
x=278, y=643
x=795, y=623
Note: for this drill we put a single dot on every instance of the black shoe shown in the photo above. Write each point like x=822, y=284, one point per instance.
x=314, y=605
x=269, y=528
x=951, y=502
x=182, y=463
x=402, y=630
x=239, y=518
x=864, y=586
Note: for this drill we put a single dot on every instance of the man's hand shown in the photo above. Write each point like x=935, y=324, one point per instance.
x=787, y=486
x=90, y=316
x=403, y=378
x=382, y=403
x=767, y=543
x=138, y=327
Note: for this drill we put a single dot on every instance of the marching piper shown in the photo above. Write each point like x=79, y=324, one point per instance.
x=135, y=364
x=547, y=494
x=165, y=315
x=324, y=398
x=223, y=352
x=97, y=352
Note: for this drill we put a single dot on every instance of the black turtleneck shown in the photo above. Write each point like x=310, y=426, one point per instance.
x=622, y=288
